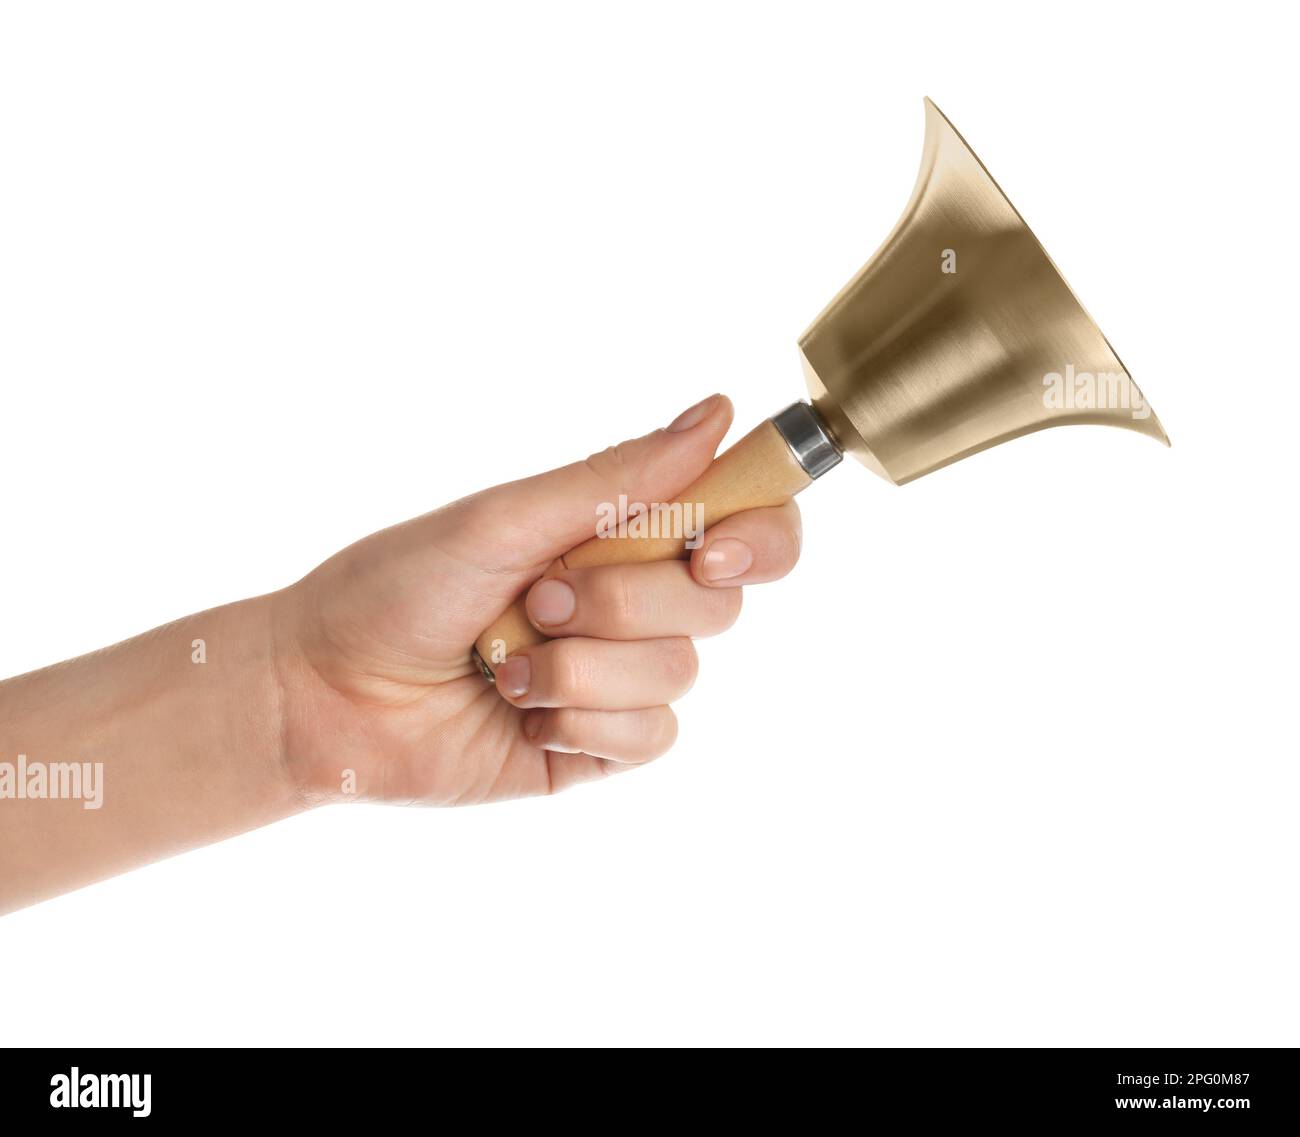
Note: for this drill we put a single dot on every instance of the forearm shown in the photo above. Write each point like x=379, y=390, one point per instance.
x=176, y=746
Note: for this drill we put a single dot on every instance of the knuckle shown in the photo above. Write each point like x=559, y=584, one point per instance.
x=561, y=728
x=610, y=463
x=727, y=603
x=664, y=732
x=656, y=731
x=617, y=600
x=788, y=545
x=681, y=664
x=569, y=668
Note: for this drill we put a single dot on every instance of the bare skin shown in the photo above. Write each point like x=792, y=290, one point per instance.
x=356, y=683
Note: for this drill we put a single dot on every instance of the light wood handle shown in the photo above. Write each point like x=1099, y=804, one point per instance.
x=759, y=470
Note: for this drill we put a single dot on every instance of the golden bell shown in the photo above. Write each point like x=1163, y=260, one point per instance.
x=958, y=334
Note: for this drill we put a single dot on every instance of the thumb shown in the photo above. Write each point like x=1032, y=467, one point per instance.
x=522, y=526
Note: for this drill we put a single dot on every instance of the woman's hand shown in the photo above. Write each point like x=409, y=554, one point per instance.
x=380, y=699
x=356, y=683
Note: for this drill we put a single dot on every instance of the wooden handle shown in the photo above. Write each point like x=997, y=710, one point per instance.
x=757, y=471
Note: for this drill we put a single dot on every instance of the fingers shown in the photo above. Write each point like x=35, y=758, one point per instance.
x=648, y=601
x=580, y=745
x=593, y=674
x=629, y=737
x=630, y=602
x=597, y=693
x=750, y=548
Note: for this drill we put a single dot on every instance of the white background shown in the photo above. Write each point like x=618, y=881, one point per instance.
x=1011, y=759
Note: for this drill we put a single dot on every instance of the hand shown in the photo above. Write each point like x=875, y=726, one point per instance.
x=372, y=649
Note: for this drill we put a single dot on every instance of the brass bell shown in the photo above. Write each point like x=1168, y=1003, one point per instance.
x=958, y=334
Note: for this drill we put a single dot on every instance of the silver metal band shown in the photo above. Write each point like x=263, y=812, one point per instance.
x=808, y=439
x=481, y=663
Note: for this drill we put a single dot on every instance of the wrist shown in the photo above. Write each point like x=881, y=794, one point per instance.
x=298, y=700
x=244, y=704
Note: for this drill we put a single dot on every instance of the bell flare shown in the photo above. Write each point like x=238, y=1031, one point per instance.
x=960, y=333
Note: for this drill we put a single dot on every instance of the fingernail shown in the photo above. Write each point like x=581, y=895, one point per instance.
x=726, y=558
x=551, y=602
x=692, y=417
x=533, y=725
x=514, y=675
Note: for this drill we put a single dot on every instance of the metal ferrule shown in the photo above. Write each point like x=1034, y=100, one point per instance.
x=809, y=440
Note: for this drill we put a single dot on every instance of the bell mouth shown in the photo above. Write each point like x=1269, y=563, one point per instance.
x=960, y=333
x=932, y=113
